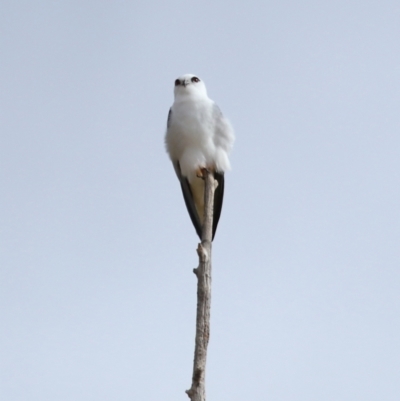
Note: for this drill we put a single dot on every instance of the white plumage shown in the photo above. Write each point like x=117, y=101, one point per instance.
x=198, y=136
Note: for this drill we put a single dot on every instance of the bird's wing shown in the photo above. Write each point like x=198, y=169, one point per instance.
x=223, y=139
x=189, y=201
x=224, y=136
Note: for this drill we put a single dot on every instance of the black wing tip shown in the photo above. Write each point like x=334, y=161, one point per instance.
x=187, y=195
x=218, y=200
x=188, y=198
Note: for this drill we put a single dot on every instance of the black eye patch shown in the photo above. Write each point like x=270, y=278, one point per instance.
x=177, y=82
x=195, y=79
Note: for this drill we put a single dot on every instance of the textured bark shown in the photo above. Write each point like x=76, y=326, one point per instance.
x=197, y=392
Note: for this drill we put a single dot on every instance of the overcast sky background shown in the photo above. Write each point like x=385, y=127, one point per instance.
x=97, y=249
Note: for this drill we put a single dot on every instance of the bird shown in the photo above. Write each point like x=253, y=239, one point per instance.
x=198, y=136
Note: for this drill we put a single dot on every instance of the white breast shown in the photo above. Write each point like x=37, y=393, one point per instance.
x=190, y=136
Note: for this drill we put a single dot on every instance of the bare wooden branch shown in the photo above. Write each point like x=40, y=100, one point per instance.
x=197, y=392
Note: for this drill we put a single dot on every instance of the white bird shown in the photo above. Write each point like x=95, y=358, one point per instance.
x=198, y=136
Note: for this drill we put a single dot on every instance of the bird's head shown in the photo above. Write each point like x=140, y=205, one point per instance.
x=189, y=85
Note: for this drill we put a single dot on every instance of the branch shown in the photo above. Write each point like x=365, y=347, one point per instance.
x=197, y=391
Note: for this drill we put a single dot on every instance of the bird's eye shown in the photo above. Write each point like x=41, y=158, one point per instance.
x=195, y=79
x=177, y=82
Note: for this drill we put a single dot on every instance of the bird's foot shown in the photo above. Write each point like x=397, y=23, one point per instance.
x=201, y=171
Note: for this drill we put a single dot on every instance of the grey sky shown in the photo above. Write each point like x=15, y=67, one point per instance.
x=97, y=250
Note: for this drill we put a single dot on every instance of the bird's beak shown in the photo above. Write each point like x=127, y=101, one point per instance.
x=184, y=83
